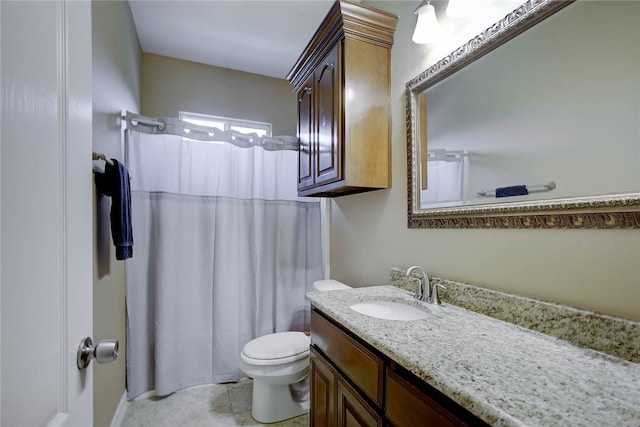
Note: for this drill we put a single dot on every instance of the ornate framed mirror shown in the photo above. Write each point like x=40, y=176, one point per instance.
x=533, y=123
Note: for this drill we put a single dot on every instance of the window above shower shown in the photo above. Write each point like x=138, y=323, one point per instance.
x=227, y=124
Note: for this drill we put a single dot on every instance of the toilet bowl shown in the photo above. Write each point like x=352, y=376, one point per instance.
x=279, y=366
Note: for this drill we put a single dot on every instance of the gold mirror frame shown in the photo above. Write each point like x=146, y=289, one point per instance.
x=609, y=212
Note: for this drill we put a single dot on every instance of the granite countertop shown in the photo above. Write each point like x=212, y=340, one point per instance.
x=502, y=373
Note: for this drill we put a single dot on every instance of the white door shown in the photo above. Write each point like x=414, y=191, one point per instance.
x=45, y=212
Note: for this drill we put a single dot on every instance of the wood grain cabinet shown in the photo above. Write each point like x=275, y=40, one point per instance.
x=334, y=402
x=323, y=391
x=354, y=385
x=342, y=80
x=319, y=109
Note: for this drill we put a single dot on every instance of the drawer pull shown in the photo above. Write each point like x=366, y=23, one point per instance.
x=305, y=91
x=325, y=68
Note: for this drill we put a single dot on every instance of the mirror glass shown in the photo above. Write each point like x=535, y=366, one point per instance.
x=535, y=128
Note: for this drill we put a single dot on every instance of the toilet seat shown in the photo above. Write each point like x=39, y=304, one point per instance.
x=276, y=349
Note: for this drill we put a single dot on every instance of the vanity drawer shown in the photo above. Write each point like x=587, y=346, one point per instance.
x=361, y=366
x=409, y=405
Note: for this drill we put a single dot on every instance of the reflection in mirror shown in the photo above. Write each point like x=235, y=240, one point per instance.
x=543, y=131
x=445, y=178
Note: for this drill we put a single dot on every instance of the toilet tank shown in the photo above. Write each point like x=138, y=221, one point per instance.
x=329, y=285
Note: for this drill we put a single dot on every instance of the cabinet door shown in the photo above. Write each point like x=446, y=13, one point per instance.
x=306, y=134
x=323, y=392
x=353, y=410
x=328, y=157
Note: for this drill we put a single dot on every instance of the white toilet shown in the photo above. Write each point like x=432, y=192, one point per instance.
x=279, y=366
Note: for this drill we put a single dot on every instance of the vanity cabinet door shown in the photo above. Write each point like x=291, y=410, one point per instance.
x=333, y=401
x=323, y=391
x=353, y=410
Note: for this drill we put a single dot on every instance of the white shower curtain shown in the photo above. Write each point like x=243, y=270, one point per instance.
x=445, y=183
x=224, y=251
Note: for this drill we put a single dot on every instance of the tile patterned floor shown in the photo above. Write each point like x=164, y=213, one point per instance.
x=201, y=406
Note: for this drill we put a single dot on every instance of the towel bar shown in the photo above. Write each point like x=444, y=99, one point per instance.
x=100, y=156
x=530, y=188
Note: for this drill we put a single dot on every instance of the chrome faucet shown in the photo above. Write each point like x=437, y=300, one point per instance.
x=425, y=292
x=424, y=283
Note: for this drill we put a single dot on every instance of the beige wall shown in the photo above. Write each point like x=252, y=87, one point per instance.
x=592, y=269
x=116, y=86
x=171, y=85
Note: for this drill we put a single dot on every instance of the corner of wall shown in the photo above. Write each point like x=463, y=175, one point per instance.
x=117, y=85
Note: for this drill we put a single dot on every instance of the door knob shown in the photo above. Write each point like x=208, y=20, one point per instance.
x=104, y=352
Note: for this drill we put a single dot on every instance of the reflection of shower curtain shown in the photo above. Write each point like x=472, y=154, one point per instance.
x=444, y=180
x=224, y=252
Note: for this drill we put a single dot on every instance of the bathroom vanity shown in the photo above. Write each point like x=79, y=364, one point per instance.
x=351, y=380
x=455, y=367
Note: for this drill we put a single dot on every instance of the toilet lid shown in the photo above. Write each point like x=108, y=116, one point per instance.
x=277, y=346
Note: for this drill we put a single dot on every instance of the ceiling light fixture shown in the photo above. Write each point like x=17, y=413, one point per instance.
x=427, y=25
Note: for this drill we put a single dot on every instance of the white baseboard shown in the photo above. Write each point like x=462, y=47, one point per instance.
x=121, y=410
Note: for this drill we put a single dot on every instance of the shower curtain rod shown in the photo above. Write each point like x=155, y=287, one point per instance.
x=148, y=122
x=174, y=126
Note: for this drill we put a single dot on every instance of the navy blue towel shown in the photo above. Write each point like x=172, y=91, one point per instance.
x=114, y=182
x=514, y=190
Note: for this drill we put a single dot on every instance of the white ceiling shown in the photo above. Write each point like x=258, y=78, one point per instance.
x=257, y=36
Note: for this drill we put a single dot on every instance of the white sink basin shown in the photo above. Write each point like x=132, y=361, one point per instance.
x=390, y=310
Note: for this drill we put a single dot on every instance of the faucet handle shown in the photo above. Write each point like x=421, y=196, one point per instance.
x=435, y=298
x=418, y=295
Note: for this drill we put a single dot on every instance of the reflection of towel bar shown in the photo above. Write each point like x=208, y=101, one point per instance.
x=531, y=189
x=100, y=156
x=439, y=154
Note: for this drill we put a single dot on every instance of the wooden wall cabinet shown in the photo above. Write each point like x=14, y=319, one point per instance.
x=343, y=81
x=354, y=385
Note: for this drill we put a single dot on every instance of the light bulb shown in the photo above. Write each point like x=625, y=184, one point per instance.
x=457, y=8
x=427, y=25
